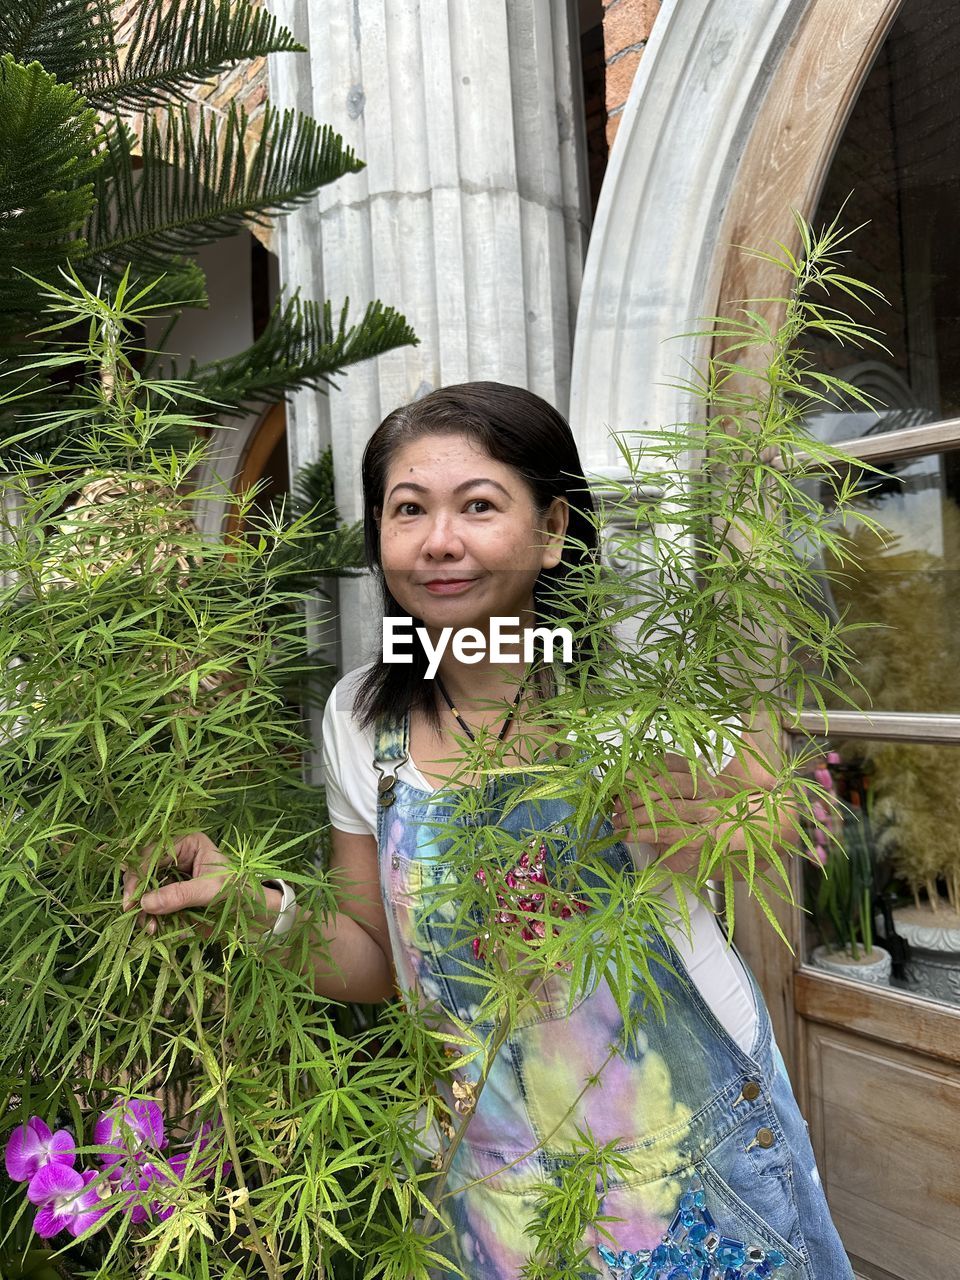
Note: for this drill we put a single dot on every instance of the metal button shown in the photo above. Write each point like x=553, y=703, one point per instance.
x=766, y=1137
x=750, y=1091
x=395, y=862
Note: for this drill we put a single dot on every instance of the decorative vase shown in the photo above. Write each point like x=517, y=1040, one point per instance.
x=933, y=964
x=873, y=968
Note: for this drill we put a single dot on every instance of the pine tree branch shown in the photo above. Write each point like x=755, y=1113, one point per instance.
x=71, y=39
x=47, y=160
x=195, y=182
x=301, y=346
x=174, y=46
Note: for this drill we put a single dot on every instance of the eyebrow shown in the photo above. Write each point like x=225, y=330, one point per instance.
x=467, y=484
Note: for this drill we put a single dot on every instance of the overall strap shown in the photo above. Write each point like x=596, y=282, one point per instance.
x=390, y=751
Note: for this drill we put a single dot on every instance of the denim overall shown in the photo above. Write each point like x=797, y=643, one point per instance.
x=723, y=1183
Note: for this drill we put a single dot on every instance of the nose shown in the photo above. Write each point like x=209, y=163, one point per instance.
x=442, y=540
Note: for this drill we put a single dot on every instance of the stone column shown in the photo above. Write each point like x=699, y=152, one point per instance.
x=469, y=217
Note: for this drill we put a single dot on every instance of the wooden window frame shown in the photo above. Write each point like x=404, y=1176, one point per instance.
x=797, y=132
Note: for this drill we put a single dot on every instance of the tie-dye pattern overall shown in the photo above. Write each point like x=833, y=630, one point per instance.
x=723, y=1183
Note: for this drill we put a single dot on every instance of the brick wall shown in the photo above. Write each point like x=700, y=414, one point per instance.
x=626, y=28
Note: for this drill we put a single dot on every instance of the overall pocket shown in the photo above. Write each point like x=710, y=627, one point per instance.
x=751, y=1172
x=696, y=1216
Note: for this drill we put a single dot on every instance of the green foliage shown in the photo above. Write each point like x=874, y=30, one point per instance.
x=73, y=40
x=843, y=896
x=313, y=491
x=47, y=159
x=340, y=552
x=142, y=678
x=190, y=184
x=714, y=581
x=568, y=1208
x=302, y=344
x=142, y=672
x=77, y=189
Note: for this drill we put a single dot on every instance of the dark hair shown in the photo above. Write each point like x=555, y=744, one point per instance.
x=514, y=427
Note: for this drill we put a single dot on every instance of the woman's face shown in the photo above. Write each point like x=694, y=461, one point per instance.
x=461, y=540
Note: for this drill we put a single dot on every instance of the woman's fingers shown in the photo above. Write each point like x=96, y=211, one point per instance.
x=132, y=878
x=183, y=895
x=677, y=816
x=130, y=882
x=195, y=857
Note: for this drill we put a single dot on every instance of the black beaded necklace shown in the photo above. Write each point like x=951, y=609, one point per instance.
x=463, y=724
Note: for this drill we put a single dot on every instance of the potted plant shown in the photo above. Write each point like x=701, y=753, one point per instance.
x=918, y=803
x=843, y=899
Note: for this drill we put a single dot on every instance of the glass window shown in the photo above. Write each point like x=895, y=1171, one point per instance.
x=887, y=911
x=896, y=176
x=905, y=589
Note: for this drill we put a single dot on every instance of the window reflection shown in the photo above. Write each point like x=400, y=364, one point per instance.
x=896, y=175
x=903, y=587
x=884, y=904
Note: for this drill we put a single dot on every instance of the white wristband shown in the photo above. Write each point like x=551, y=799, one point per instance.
x=288, y=908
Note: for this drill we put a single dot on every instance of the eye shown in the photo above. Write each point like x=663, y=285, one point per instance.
x=408, y=508
x=480, y=506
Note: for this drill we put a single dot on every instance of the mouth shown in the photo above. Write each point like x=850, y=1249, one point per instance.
x=448, y=586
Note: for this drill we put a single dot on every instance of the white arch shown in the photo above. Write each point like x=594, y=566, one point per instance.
x=654, y=261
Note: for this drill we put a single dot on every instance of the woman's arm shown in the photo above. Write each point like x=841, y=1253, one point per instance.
x=352, y=959
x=694, y=803
x=360, y=946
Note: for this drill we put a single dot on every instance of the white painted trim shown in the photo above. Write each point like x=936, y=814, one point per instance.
x=654, y=261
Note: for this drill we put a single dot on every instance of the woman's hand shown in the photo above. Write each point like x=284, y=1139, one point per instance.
x=687, y=811
x=205, y=871
x=682, y=809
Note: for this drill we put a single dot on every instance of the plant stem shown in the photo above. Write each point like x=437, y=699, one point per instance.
x=266, y=1256
x=547, y=1136
x=434, y=1190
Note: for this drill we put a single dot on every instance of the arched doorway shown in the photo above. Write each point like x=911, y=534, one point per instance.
x=265, y=463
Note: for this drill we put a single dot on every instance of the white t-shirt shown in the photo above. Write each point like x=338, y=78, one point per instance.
x=351, y=783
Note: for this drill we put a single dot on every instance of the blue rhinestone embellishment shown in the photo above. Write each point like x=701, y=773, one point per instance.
x=693, y=1249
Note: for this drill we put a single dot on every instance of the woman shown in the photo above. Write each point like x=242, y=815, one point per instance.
x=475, y=500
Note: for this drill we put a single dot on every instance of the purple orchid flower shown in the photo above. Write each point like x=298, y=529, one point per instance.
x=67, y=1200
x=32, y=1146
x=139, y=1207
x=128, y=1128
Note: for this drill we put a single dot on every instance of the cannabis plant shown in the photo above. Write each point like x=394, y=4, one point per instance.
x=78, y=188
x=201, y=1111
x=722, y=643
x=191, y=1088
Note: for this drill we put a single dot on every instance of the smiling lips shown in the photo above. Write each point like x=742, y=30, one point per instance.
x=448, y=586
